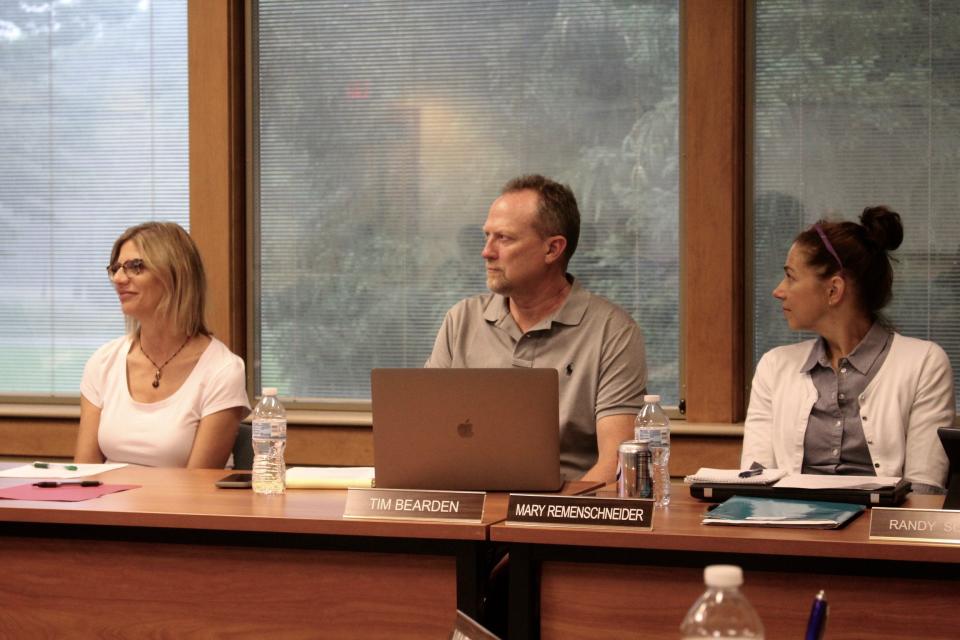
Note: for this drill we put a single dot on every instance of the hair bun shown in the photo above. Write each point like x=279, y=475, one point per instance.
x=883, y=227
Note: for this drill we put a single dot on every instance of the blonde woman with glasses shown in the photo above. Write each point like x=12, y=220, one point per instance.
x=167, y=394
x=860, y=399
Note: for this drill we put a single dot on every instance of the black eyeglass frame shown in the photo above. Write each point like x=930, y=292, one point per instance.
x=132, y=267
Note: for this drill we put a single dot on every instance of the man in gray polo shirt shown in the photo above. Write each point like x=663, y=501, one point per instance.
x=539, y=316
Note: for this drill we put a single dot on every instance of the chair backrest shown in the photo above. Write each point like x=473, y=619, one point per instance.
x=243, y=448
x=950, y=439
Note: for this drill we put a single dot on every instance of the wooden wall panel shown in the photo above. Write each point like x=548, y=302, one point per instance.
x=712, y=208
x=333, y=445
x=217, y=179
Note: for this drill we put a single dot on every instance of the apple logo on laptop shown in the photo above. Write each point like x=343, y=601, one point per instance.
x=465, y=429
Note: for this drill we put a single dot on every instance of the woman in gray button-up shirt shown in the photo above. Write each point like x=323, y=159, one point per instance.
x=860, y=399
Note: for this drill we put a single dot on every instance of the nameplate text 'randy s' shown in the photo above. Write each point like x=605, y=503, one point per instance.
x=918, y=525
x=408, y=504
x=580, y=511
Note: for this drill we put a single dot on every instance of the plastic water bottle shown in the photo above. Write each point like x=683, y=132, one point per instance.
x=653, y=426
x=269, y=443
x=722, y=611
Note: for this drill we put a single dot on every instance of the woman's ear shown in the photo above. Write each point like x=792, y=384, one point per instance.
x=836, y=290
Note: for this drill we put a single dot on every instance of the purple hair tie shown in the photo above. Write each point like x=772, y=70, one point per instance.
x=827, y=244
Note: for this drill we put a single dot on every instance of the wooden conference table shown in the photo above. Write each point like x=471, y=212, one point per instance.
x=576, y=583
x=180, y=558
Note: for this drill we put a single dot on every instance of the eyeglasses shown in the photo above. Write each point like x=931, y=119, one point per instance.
x=130, y=268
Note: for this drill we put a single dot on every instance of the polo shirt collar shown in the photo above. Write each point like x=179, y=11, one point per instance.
x=574, y=307
x=571, y=312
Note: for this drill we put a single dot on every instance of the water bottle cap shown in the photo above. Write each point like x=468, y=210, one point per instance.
x=269, y=391
x=651, y=398
x=723, y=575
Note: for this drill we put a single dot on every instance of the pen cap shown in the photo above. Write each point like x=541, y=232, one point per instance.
x=723, y=576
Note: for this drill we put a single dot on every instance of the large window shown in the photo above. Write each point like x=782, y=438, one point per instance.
x=858, y=103
x=93, y=139
x=383, y=131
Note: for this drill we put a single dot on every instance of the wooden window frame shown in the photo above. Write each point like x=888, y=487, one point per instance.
x=712, y=186
x=712, y=203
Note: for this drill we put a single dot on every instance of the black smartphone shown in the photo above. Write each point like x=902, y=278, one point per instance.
x=236, y=481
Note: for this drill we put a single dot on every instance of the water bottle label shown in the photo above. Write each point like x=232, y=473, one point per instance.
x=653, y=436
x=267, y=429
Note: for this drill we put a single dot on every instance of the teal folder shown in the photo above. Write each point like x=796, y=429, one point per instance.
x=776, y=512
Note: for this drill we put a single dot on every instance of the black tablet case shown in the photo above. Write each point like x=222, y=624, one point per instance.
x=883, y=497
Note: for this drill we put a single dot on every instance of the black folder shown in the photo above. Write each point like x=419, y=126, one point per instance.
x=879, y=497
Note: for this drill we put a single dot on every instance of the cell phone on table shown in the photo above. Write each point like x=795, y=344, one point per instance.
x=236, y=481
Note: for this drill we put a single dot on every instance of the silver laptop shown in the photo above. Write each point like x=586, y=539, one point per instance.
x=466, y=429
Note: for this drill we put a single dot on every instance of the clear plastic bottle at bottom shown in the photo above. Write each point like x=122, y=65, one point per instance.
x=269, y=444
x=722, y=611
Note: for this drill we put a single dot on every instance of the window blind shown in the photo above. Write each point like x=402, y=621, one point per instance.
x=858, y=103
x=384, y=131
x=93, y=139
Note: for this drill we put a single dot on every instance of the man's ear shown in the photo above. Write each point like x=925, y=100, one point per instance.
x=555, y=245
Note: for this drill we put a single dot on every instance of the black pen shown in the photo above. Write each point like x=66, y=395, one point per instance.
x=52, y=484
x=751, y=472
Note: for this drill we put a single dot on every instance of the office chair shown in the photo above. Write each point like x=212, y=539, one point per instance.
x=243, y=448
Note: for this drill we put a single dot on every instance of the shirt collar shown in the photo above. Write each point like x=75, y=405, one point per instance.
x=861, y=358
x=818, y=355
x=571, y=312
x=866, y=353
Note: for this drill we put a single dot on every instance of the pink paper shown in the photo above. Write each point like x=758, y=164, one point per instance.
x=66, y=493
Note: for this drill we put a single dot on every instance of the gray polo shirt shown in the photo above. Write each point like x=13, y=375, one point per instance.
x=834, y=441
x=595, y=346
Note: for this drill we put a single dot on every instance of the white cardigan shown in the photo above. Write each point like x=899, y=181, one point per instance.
x=901, y=409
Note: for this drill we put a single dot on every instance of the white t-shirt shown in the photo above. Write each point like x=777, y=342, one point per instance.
x=159, y=434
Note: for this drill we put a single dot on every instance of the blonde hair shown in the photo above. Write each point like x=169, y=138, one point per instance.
x=171, y=255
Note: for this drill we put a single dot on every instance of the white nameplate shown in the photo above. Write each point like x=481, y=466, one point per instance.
x=580, y=511
x=915, y=525
x=410, y=504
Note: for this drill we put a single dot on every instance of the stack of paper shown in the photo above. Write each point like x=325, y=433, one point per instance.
x=329, y=477
x=59, y=470
x=705, y=475
x=774, y=512
x=812, y=481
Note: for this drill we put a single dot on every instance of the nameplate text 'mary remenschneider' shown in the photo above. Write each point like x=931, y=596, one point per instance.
x=581, y=511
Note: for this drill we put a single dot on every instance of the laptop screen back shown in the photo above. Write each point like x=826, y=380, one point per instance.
x=466, y=429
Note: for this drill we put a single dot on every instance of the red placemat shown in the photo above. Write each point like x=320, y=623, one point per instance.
x=64, y=493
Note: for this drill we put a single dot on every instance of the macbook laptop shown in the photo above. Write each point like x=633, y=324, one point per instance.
x=466, y=429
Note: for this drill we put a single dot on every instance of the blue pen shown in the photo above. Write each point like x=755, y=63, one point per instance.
x=818, y=618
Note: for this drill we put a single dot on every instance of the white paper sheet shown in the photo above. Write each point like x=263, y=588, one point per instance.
x=58, y=470
x=329, y=477
x=732, y=476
